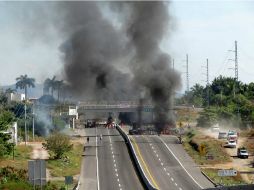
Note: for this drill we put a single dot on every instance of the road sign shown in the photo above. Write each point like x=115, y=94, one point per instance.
x=147, y=109
x=37, y=172
x=223, y=173
x=68, y=180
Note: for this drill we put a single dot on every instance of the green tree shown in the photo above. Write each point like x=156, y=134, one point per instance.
x=57, y=145
x=24, y=82
x=6, y=119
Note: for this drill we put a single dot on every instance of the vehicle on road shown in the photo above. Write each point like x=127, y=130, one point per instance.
x=231, y=144
x=232, y=136
x=215, y=128
x=242, y=153
x=222, y=135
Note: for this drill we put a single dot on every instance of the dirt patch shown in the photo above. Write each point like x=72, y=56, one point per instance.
x=241, y=165
x=38, y=151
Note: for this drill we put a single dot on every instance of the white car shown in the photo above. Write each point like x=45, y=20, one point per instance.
x=231, y=144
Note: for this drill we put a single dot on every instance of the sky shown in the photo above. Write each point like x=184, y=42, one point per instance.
x=201, y=29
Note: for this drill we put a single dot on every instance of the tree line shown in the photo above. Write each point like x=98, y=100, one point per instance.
x=225, y=101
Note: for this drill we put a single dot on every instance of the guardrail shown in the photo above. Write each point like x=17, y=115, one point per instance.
x=141, y=172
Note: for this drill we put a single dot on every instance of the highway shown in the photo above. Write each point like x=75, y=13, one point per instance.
x=163, y=167
x=109, y=163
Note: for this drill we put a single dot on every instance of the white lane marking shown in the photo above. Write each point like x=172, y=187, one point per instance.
x=164, y=169
x=168, y=174
x=180, y=188
x=175, y=184
x=172, y=179
x=180, y=163
x=157, y=155
x=159, y=159
x=97, y=162
x=162, y=163
x=118, y=180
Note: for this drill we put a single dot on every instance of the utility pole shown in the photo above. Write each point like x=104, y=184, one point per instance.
x=187, y=85
x=187, y=73
x=25, y=126
x=33, y=122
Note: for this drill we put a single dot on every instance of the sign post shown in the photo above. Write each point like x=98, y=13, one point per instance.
x=37, y=172
x=224, y=173
x=68, y=181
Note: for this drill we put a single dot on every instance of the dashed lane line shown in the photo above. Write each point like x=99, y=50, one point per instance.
x=144, y=164
x=180, y=162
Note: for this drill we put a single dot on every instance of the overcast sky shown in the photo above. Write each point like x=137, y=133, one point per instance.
x=201, y=29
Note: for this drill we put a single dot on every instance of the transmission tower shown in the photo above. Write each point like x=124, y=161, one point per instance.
x=236, y=74
x=207, y=83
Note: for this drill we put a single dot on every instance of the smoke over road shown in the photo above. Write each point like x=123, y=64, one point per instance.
x=106, y=59
x=151, y=67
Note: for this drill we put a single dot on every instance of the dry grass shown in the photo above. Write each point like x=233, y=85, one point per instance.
x=60, y=168
x=22, y=155
x=227, y=181
x=194, y=141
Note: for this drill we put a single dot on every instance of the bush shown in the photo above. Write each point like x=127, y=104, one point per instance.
x=57, y=145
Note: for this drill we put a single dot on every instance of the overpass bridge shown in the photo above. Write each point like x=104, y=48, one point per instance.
x=122, y=106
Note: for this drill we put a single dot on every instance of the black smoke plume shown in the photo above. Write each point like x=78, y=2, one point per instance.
x=146, y=26
x=104, y=60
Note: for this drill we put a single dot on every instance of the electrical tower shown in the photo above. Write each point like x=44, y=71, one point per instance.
x=236, y=75
x=207, y=83
x=236, y=62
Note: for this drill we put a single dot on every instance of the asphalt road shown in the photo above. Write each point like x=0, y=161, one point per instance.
x=109, y=164
x=162, y=166
x=116, y=171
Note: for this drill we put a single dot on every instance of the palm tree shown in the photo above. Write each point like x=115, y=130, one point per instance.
x=46, y=86
x=10, y=90
x=50, y=84
x=58, y=84
x=23, y=82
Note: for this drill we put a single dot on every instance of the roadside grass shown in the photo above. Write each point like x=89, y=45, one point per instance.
x=247, y=133
x=60, y=184
x=67, y=167
x=204, y=149
x=249, y=143
x=22, y=155
x=226, y=181
x=187, y=115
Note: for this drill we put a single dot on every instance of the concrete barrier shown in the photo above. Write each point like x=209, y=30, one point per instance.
x=140, y=170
